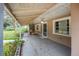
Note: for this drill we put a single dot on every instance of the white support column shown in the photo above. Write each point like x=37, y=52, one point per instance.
x=20, y=32
x=1, y=28
x=15, y=25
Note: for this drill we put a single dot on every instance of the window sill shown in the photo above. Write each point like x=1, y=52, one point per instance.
x=62, y=34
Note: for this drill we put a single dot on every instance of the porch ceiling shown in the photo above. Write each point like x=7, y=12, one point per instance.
x=25, y=13
x=58, y=11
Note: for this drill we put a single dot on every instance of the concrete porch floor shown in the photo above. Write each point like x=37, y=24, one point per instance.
x=35, y=46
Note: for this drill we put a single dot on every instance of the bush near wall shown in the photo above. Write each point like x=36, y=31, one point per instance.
x=22, y=29
x=9, y=28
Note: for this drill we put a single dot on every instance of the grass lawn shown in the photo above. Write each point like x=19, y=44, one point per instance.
x=10, y=35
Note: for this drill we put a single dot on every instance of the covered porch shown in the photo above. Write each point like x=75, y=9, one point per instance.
x=41, y=40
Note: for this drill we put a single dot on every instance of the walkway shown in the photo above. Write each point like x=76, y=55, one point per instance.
x=34, y=46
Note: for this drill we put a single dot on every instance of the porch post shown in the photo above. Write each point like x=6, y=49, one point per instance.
x=15, y=25
x=75, y=29
x=1, y=28
x=20, y=32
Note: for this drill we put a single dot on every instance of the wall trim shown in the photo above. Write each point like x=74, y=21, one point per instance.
x=50, y=38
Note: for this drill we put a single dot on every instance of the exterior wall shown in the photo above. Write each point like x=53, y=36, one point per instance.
x=75, y=29
x=57, y=38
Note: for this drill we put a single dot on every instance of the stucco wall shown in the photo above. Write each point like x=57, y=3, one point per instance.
x=75, y=29
x=57, y=38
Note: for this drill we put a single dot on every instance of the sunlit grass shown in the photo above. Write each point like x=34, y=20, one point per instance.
x=10, y=35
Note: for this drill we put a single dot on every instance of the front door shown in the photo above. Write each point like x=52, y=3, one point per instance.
x=44, y=30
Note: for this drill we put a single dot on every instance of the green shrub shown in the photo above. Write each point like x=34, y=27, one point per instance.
x=24, y=30
x=9, y=29
x=9, y=49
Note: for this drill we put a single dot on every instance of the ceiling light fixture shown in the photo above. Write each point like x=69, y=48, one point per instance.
x=42, y=21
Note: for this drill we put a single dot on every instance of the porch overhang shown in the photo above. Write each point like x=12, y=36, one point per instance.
x=56, y=12
x=35, y=12
x=26, y=13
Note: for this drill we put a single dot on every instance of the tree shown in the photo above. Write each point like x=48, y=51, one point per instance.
x=7, y=21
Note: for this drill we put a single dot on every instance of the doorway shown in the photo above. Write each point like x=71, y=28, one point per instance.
x=44, y=30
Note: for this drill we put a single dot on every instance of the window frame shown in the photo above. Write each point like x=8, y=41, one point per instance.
x=38, y=27
x=61, y=19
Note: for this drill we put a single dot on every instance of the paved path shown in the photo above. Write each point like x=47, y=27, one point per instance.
x=34, y=46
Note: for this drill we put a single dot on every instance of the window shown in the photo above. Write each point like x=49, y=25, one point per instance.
x=37, y=27
x=62, y=26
